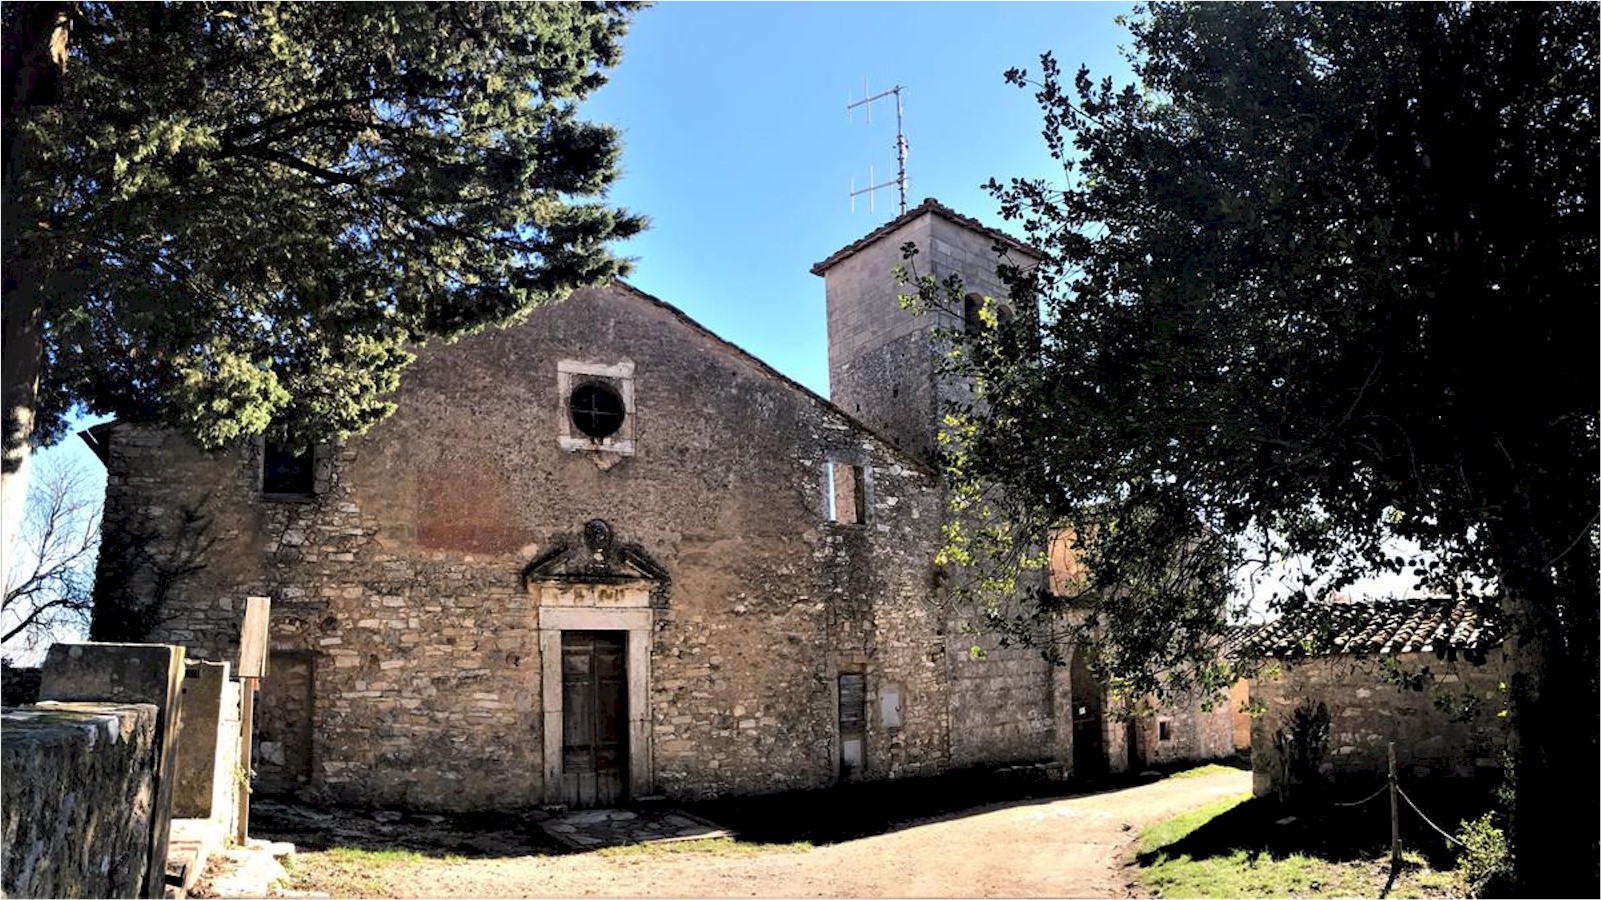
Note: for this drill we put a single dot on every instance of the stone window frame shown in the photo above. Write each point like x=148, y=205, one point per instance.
x=1164, y=730
x=319, y=475
x=572, y=374
x=864, y=499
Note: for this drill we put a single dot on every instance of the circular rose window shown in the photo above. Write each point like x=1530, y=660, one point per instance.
x=597, y=410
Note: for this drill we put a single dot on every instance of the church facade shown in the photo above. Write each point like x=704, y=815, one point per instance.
x=602, y=555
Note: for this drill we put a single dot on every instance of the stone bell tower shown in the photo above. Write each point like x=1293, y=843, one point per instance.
x=883, y=360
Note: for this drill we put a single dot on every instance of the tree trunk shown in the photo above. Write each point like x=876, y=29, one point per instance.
x=21, y=361
x=36, y=47
x=1554, y=748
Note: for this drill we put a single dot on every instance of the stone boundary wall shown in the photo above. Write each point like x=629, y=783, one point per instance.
x=19, y=685
x=79, y=789
x=1366, y=712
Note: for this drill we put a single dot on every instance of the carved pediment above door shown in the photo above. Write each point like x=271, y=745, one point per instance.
x=594, y=555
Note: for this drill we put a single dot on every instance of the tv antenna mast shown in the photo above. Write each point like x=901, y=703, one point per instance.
x=900, y=146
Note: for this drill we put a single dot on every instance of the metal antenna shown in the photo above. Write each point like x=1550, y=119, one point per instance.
x=900, y=146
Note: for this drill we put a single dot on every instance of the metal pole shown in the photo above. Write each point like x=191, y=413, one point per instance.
x=1395, y=819
x=900, y=147
x=247, y=716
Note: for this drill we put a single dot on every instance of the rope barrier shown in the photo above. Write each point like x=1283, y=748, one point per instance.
x=1425, y=819
x=1382, y=789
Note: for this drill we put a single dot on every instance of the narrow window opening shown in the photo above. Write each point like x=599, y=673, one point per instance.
x=286, y=471
x=852, y=722
x=1164, y=730
x=846, y=494
x=971, y=321
x=596, y=410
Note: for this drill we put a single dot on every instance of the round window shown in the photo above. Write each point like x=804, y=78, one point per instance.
x=596, y=409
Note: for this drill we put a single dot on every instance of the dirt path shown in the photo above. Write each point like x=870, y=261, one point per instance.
x=1069, y=847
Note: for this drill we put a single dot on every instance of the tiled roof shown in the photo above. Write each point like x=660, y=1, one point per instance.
x=1442, y=626
x=929, y=205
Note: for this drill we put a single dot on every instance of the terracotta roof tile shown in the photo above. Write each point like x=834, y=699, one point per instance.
x=1443, y=626
x=929, y=205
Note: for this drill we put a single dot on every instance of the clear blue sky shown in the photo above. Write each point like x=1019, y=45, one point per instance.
x=738, y=146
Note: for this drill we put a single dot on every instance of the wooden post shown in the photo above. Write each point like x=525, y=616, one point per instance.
x=247, y=716
x=252, y=668
x=1395, y=818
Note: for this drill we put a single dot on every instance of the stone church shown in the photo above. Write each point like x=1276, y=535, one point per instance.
x=604, y=555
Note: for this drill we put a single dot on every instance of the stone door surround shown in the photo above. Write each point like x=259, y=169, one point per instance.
x=596, y=607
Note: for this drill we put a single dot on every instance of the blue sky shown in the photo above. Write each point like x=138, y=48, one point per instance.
x=738, y=146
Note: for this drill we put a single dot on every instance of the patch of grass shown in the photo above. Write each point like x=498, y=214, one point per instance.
x=1170, y=831
x=720, y=846
x=1204, y=771
x=372, y=857
x=1227, y=849
x=356, y=871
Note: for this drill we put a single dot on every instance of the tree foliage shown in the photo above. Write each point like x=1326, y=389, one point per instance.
x=1325, y=278
x=225, y=216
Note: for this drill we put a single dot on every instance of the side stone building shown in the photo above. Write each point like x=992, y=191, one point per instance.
x=1428, y=674
x=601, y=555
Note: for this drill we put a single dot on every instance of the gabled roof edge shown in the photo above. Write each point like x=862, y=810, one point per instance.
x=929, y=205
x=766, y=369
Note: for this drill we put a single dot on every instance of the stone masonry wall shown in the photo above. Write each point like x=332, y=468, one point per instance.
x=1366, y=712
x=1193, y=732
x=78, y=782
x=399, y=579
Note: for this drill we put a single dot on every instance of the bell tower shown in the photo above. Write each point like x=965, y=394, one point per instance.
x=883, y=361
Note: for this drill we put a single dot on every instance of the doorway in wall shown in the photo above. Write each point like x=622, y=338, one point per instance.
x=283, y=729
x=594, y=719
x=1089, y=748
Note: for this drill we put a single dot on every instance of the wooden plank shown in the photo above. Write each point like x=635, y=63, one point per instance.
x=852, y=702
x=253, y=638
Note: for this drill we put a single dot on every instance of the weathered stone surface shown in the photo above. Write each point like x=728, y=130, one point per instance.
x=78, y=786
x=409, y=648
x=19, y=685
x=208, y=745
x=128, y=673
x=1366, y=712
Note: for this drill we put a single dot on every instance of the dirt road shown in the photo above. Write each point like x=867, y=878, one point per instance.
x=1070, y=847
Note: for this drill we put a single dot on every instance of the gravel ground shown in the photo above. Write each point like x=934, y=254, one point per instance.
x=1075, y=846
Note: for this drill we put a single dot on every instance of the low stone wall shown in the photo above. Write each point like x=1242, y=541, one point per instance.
x=79, y=790
x=19, y=685
x=1446, y=728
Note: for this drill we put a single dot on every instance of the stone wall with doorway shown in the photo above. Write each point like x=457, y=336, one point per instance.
x=408, y=646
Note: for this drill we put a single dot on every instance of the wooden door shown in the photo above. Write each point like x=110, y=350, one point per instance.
x=594, y=718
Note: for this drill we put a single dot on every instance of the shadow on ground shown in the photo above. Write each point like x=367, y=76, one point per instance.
x=1318, y=828
x=826, y=816
x=853, y=811
x=474, y=835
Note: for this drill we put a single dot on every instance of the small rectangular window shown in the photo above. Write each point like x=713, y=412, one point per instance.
x=287, y=472
x=847, y=494
x=1164, y=730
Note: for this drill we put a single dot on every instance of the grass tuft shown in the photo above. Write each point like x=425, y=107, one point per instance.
x=1204, y=771
x=1225, y=849
x=720, y=846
